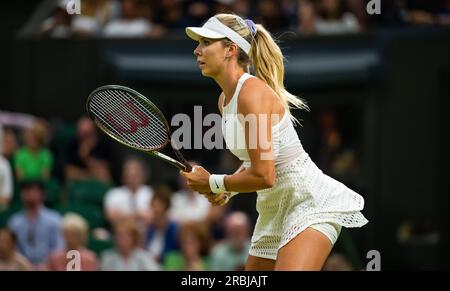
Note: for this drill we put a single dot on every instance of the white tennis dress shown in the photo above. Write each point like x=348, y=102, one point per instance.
x=303, y=196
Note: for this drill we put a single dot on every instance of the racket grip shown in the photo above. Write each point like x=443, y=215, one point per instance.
x=188, y=168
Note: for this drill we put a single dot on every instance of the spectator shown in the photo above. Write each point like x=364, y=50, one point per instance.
x=58, y=25
x=132, y=22
x=223, y=6
x=188, y=205
x=306, y=17
x=334, y=18
x=242, y=8
x=10, y=259
x=132, y=200
x=391, y=15
x=169, y=17
x=358, y=8
x=334, y=157
x=94, y=15
x=127, y=256
x=337, y=262
x=197, y=11
x=88, y=155
x=272, y=16
x=37, y=228
x=9, y=145
x=194, y=244
x=162, y=233
x=444, y=15
x=231, y=254
x=75, y=231
x=6, y=178
x=34, y=161
x=430, y=12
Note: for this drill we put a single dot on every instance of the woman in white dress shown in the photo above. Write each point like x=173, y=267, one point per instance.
x=301, y=210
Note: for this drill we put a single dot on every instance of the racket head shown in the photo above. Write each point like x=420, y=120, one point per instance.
x=128, y=117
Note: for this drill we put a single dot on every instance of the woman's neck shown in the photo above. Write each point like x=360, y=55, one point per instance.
x=228, y=80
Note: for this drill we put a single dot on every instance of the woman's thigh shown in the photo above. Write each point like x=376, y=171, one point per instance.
x=259, y=264
x=308, y=251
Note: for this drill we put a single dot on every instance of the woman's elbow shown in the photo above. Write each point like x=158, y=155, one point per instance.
x=269, y=180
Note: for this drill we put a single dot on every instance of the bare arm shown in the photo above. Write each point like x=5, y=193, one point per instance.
x=258, y=101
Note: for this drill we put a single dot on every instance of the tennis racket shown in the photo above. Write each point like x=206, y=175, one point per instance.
x=132, y=120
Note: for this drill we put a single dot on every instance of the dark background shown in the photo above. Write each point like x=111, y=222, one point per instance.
x=391, y=95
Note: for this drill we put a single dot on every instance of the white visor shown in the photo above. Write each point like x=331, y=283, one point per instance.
x=214, y=29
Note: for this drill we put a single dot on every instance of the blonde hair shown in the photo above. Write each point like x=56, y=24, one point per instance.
x=265, y=57
x=75, y=222
x=131, y=227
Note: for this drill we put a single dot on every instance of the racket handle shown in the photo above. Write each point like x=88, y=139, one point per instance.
x=188, y=168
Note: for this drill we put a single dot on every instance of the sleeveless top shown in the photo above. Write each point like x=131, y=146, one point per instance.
x=285, y=142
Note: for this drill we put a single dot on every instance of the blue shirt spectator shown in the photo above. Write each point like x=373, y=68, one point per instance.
x=162, y=233
x=37, y=228
x=160, y=244
x=37, y=239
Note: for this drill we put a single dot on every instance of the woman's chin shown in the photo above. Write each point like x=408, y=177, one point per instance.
x=205, y=73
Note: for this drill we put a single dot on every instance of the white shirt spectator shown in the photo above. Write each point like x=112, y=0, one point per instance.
x=139, y=27
x=139, y=260
x=347, y=24
x=5, y=179
x=86, y=24
x=122, y=200
x=188, y=208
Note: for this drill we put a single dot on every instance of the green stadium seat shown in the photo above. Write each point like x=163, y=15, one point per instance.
x=94, y=215
x=87, y=192
x=53, y=193
x=98, y=246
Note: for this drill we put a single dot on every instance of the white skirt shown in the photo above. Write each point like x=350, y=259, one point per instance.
x=302, y=196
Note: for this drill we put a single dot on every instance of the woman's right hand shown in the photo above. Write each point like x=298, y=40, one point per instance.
x=217, y=199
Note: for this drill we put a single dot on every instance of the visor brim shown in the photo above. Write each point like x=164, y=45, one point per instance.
x=197, y=33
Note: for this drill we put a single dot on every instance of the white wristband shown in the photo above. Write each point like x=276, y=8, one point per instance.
x=217, y=183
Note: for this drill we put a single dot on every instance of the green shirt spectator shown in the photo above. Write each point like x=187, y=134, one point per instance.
x=175, y=261
x=33, y=165
x=33, y=160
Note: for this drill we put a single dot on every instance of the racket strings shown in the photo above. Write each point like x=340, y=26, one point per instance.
x=112, y=110
x=101, y=118
x=160, y=127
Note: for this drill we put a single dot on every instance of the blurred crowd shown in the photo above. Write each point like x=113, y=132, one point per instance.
x=129, y=225
x=159, y=18
x=57, y=194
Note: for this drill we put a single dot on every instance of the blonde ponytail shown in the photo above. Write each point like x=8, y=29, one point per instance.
x=268, y=65
x=266, y=58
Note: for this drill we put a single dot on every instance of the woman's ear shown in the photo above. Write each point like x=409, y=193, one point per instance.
x=232, y=50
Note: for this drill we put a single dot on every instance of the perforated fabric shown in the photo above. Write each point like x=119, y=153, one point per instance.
x=302, y=196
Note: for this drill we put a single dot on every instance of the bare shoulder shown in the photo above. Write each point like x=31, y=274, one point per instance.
x=256, y=96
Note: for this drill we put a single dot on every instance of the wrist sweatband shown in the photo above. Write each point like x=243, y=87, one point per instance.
x=217, y=183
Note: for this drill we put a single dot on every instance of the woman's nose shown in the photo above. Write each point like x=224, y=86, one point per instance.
x=197, y=51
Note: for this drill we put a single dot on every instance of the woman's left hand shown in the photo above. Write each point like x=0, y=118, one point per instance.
x=198, y=179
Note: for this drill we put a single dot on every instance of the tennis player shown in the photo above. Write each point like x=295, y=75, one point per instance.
x=301, y=210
